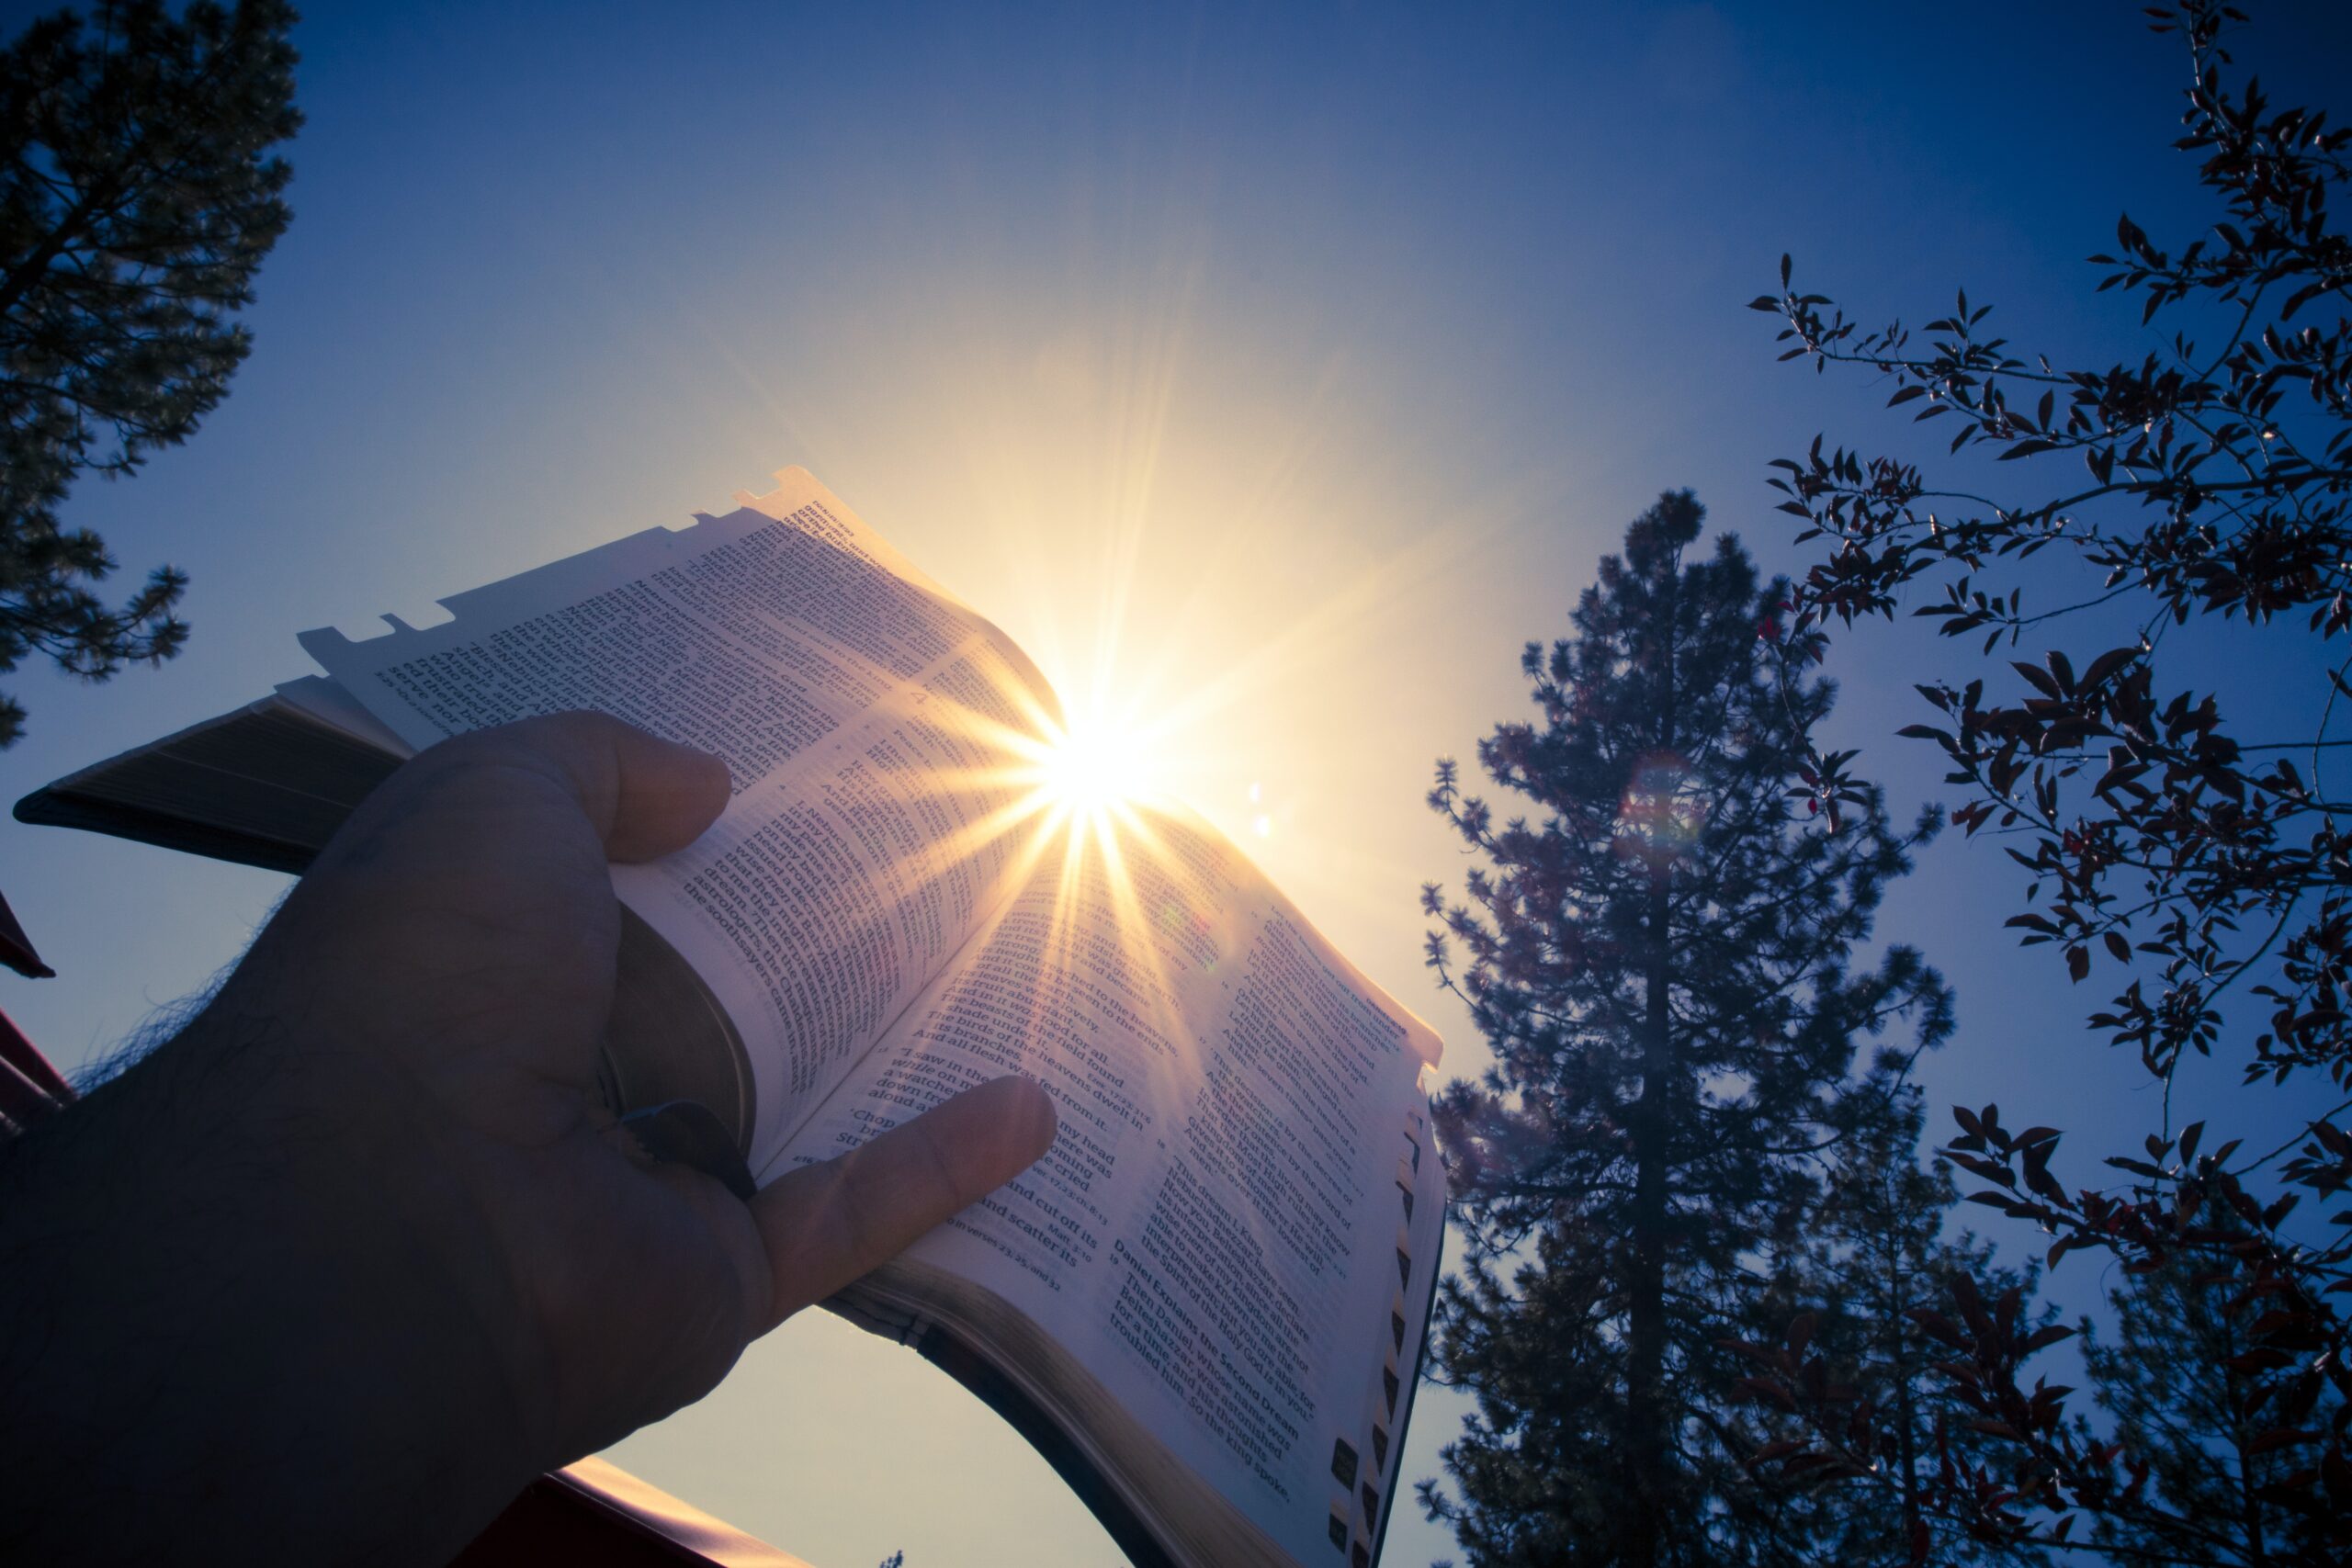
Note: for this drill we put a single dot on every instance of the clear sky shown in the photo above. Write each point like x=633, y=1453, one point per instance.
x=1283, y=366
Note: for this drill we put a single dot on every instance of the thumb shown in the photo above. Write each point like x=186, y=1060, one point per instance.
x=645, y=796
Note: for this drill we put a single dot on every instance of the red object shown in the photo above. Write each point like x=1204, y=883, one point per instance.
x=29, y=1087
x=593, y=1515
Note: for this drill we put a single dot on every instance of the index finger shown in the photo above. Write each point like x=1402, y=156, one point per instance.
x=826, y=1224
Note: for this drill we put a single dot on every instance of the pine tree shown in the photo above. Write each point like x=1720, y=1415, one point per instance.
x=1869, y=1259
x=1661, y=961
x=138, y=196
x=2173, y=1376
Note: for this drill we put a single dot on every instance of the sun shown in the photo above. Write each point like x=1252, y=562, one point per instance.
x=1088, y=773
x=1094, y=766
x=1101, y=760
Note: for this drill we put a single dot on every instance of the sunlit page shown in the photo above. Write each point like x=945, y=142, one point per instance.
x=1218, y=1232
x=874, y=729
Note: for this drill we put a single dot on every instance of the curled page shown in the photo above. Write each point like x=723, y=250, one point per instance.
x=874, y=729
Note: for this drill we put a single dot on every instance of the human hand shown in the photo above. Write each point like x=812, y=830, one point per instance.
x=439, y=1252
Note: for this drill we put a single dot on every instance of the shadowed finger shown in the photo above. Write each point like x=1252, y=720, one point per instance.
x=826, y=1224
x=646, y=795
x=641, y=796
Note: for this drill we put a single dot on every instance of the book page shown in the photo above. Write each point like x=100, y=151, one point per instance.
x=874, y=729
x=1225, y=1231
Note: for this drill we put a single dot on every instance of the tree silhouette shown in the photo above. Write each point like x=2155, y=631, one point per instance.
x=1868, y=1261
x=1660, y=963
x=2192, y=481
x=137, y=200
x=2172, y=1376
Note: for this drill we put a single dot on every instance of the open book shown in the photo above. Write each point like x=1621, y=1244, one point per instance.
x=1207, y=1304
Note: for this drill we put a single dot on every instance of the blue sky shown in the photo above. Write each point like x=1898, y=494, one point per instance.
x=1306, y=354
